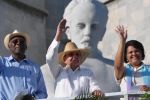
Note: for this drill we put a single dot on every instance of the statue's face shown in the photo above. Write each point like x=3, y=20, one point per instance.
x=85, y=28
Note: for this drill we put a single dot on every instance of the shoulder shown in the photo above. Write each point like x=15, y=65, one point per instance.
x=3, y=59
x=86, y=71
x=32, y=64
x=34, y=67
x=146, y=66
x=128, y=67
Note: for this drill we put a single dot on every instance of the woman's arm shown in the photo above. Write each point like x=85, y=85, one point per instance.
x=119, y=58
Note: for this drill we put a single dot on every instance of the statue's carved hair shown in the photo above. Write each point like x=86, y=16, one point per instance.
x=68, y=10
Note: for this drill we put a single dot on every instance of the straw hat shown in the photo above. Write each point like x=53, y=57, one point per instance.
x=15, y=33
x=71, y=47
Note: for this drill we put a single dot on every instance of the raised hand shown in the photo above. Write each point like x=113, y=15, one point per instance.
x=61, y=26
x=98, y=93
x=144, y=88
x=60, y=29
x=122, y=32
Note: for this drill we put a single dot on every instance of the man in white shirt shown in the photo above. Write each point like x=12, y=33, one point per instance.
x=71, y=79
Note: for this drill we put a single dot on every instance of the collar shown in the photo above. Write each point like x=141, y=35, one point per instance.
x=142, y=65
x=67, y=67
x=12, y=59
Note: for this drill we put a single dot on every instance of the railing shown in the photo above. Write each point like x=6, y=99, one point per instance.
x=125, y=95
x=109, y=96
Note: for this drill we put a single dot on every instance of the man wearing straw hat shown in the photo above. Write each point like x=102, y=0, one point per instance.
x=20, y=78
x=71, y=79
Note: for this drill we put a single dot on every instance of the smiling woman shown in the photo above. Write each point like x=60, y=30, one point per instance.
x=134, y=46
x=135, y=75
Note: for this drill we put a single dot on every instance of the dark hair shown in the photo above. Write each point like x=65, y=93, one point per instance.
x=136, y=44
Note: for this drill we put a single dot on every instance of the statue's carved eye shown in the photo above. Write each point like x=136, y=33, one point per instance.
x=81, y=26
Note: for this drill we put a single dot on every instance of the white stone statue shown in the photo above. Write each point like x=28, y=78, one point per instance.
x=87, y=24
